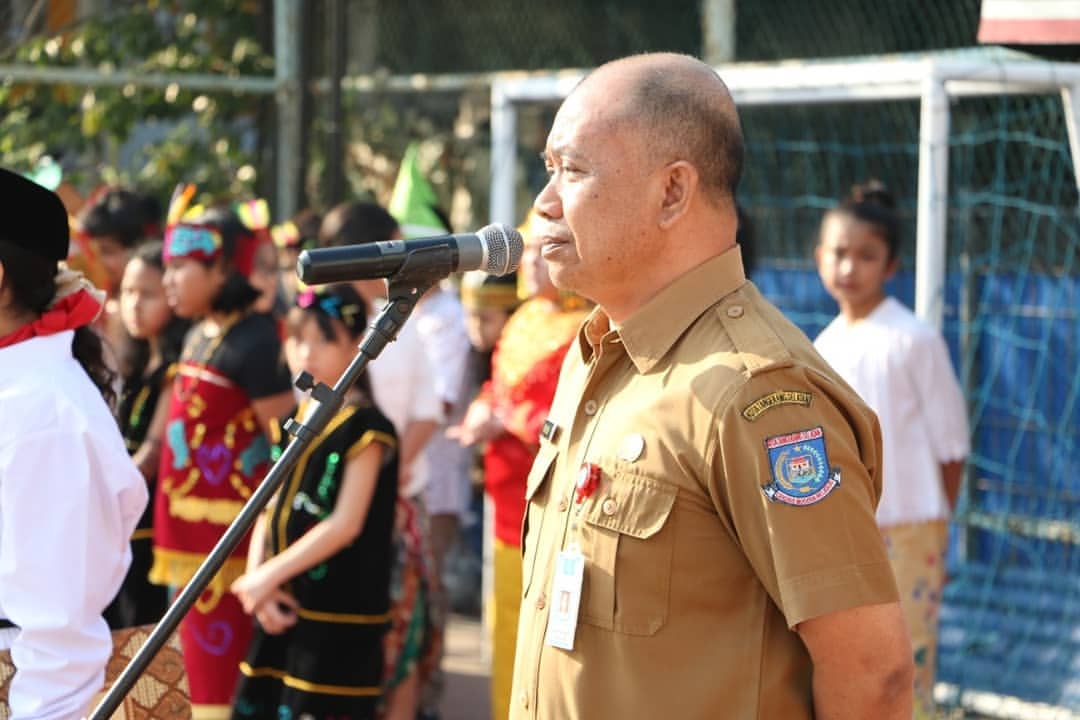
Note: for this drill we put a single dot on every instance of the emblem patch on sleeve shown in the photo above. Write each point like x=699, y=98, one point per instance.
x=800, y=468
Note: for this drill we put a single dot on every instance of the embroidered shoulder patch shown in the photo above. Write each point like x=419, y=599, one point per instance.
x=780, y=397
x=800, y=468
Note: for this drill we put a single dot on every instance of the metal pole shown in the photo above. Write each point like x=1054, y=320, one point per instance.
x=287, y=59
x=930, y=249
x=718, y=28
x=103, y=77
x=1070, y=98
x=335, y=177
x=501, y=210
x=503, y=156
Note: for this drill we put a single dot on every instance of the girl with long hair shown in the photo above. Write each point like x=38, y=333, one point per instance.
x=70, y=495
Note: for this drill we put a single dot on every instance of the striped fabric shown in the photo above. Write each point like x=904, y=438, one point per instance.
x=1030, y=22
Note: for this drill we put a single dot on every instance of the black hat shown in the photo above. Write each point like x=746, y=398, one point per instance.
x=37, y=220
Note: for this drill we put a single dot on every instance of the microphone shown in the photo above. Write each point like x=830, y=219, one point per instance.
x=495, y=249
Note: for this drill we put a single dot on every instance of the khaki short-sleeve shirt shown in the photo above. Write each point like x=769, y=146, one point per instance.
x=736, y=481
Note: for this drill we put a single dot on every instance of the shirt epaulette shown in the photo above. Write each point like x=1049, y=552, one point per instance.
x=760, y=348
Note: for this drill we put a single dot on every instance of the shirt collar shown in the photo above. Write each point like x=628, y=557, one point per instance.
x=14, y=359
x=649, y=333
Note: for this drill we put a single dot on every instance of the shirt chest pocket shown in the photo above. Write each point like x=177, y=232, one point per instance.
x=627, y=536
x=534, y=511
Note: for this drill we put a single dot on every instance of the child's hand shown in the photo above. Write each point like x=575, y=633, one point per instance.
x=480, y=424
x=278, y=613
x=253, y=589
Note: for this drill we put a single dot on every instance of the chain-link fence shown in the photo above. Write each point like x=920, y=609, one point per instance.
x=384, y=39
x=1013, y=233
x=1012, y=289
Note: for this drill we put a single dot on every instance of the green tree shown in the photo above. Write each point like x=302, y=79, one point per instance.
x=209, y=139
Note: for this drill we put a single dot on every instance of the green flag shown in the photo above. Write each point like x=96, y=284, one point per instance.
x=413, y=201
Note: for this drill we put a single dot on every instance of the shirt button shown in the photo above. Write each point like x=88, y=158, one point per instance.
x=524, y=699
x=590, y=407
x=563, y=505
x=541, y=602
x=735, y=311
x=609, y=507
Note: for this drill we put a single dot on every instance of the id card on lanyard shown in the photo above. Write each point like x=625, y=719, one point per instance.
x=565, y=598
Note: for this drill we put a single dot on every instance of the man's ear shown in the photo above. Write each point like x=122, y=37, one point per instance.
x=680, y=185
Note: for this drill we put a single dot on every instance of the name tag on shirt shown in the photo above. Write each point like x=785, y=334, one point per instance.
x=565, y=599
x=549, y=430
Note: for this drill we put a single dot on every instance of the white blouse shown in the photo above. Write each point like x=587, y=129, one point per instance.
x=440, y=323
x=404, y=388
x=70, y=497
x=900, y=367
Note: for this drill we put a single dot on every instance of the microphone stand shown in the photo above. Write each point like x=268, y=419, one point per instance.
x=404, y=290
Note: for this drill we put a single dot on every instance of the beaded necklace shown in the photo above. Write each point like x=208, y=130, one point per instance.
x=207, y=343
x=202, y=350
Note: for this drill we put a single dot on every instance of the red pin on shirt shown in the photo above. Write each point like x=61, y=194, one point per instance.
x=587, y=481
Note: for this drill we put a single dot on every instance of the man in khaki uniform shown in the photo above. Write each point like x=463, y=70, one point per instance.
x=700, y=536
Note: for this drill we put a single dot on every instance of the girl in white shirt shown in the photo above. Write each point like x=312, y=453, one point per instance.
x=70, y=495
x=900, y=366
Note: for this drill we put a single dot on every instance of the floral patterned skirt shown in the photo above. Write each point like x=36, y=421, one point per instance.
x=415, y=635
x=917, y=554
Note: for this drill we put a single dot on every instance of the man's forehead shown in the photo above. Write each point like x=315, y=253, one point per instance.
x=574, y=123
x=595, y=98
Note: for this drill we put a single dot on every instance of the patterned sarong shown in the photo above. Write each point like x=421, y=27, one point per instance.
x=161, y=692
x=917, y=554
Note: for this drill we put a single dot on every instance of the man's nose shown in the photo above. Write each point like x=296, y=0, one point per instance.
x=547, y=203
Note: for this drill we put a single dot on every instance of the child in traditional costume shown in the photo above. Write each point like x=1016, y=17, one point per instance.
x=70, y=495
x=900, y=367
x=321, y=595
x=506, y=418
x=230, y=386
x=154, y=338
x=404, y=389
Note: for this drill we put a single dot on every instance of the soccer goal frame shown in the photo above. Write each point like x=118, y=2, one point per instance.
x=932, y=78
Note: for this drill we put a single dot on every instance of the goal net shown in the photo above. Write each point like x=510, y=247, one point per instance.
x=975, y=146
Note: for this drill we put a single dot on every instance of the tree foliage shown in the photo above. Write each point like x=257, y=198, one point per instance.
x=150, y=138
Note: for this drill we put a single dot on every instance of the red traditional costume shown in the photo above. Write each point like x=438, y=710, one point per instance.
x=524, y=372
x=213, y=456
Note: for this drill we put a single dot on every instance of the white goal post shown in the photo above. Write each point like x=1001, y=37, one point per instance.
x=932, y=78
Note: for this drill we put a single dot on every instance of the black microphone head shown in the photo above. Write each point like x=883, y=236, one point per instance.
x=504, y=246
